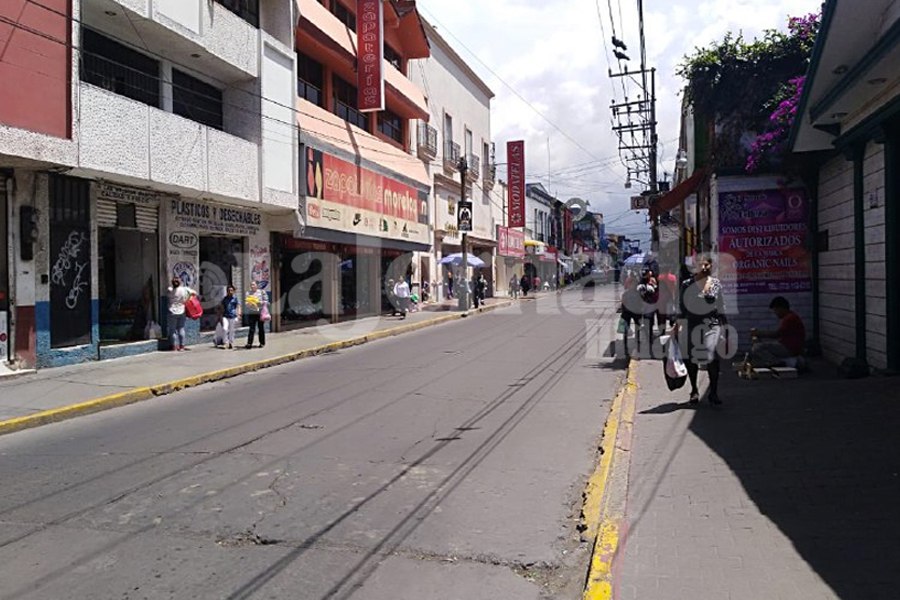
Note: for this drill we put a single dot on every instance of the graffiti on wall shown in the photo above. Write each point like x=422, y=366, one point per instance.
x=67, y=267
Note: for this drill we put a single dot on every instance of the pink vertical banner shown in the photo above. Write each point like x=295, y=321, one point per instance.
x=370, y=55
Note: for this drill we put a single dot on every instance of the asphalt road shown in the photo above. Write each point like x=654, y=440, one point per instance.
x=443, y=464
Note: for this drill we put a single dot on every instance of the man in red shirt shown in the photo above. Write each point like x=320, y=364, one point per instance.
x=784, y=345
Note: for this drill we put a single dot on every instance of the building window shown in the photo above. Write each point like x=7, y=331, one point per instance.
x=248, y=10
x=391, y=125
x=344, y=14
x=119, y=69
x=448, y=128
x=393, y=57
x=345, y=103
x=196, y=100
x=310, y=79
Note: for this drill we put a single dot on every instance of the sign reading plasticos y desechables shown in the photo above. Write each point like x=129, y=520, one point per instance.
x=212, y=218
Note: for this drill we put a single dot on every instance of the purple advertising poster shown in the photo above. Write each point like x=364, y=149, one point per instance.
x=765, y=236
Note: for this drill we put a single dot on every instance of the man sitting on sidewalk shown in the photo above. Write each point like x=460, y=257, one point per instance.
x=782, y=347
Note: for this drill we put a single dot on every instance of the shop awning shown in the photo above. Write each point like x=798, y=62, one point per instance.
x=677, y=195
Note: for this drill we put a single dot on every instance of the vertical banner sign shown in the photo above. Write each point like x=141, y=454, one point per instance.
x=370, y=55
x=515, y=156
x=464, y=216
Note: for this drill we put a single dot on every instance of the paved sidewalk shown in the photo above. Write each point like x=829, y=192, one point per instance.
x=50, y=389
x=790, y=491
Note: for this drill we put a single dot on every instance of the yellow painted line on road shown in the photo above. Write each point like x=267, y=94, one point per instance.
x=602, y=517
x=146, y=393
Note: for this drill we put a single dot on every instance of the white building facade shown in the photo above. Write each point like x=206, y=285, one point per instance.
x=459, y=126
x=179, y=158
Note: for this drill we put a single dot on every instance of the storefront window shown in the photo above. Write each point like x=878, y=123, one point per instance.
x=302, y=281
x=129, y=284
x=220, y=266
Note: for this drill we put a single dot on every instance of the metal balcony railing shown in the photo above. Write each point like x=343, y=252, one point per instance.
x=451, y=155
x=490, y=174
x=426, y=141
x=474, y=164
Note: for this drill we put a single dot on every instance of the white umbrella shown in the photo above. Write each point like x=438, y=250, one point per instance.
x=455, y=259
x=634, y=260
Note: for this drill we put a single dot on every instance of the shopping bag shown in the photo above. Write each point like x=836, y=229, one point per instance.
x=674, y=368
x=193, y=308
x=264, y=313
x=622, y=326
x=219, y=336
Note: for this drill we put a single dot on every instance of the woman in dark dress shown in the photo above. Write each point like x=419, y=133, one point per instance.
x=703, y=310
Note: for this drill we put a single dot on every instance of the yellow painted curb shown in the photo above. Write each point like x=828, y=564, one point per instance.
x=145, y=393
x=600, y=521
x=74, y=410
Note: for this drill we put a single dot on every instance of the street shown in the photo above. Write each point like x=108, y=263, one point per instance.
x=445, y=463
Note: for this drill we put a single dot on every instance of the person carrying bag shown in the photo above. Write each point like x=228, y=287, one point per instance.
x=256, y=306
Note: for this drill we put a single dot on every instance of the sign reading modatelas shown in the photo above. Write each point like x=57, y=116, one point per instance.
x=346, y=197
x=370, y=54
x=510, y=242
x=515, y=156
x=766, y=232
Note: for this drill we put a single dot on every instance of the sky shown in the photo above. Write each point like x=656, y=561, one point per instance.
x=546, y=61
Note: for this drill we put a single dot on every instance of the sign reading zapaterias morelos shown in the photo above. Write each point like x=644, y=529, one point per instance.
x=345, y=197
x=370, y=54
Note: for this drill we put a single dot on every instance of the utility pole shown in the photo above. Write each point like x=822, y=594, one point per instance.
x=464, y=287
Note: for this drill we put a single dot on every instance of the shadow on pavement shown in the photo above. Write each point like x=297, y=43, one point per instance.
x=820, y=457
x=669, y=407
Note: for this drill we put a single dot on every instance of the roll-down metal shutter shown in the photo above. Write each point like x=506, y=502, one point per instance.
x=146, y=215
x=106, y=213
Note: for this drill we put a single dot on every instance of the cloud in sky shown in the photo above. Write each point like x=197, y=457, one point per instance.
x=549, y=56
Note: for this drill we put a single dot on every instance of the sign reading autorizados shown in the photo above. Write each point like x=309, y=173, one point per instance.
x=464, y=216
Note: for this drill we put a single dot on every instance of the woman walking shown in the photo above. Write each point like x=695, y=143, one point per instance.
x=256, y=305
x=703, y=308
x=179, y=294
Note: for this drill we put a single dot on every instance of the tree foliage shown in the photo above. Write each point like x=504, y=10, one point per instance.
x=738, y=84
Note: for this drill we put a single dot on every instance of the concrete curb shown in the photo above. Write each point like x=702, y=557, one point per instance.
x=605, y=494
x=146, y=393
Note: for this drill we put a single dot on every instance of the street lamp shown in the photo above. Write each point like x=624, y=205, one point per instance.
x=463, y=167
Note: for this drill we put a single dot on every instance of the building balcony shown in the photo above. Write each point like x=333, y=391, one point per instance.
x=451, y=156
x=426, y=141
x=474, y=167
x=125, y=139
x=489, y=175
x=209, y=36
x=330, y=41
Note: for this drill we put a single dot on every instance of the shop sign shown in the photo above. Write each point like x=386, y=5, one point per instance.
x=370, y=55
x=259, y=265
x=510, y=242
x=211, y=218
x=183, y=240
x=515, y=156
x=346, y=197
x=464, y=216
x=122, y=193
x=766, y=236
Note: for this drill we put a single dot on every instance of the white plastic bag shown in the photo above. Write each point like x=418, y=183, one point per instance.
x=221, y=330
x=675, y=367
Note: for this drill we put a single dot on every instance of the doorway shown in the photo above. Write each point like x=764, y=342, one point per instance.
x=220, y=266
